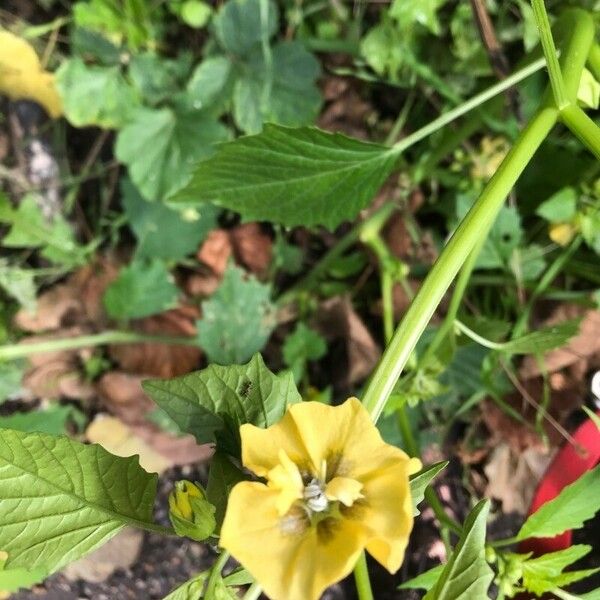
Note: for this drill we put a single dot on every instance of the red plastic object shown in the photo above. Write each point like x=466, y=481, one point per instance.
x=567, y=466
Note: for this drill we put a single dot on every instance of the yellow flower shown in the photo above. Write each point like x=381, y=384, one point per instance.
x=333, y=488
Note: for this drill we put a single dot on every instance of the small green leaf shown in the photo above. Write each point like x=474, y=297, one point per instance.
x=560, y=207
x=238, y=577
x=419, y=482
x=161, y=147
x=302, y=345
x=222, y=476
x=292, y=176
x=237, y=320
x=424, y=581
x=241, y=24
x=12, y=580
x=209, y=86
x=161, y=231
x=466, y=575
x=196, y=13
x=575, y=504
x=423, y=12
x=60, y=499
x=51, y=420
x=588, y=93
x=544, y=573
x=11, y=375
x=95, y=95
x=543, y=340
x=18, y=283
x=593, y=416
x=191, y=589
x=141, y=289
x=212, y=404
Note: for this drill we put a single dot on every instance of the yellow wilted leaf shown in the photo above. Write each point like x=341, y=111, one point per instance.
x=562, y=233
x=22, y=76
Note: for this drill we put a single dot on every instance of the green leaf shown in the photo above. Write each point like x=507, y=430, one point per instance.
x=284, y=94
x=196, y=13
x=593, y=416
x=18, y=283
x=90, y=45
x=142, y=288
x=560, y=207
x=157, y=78
x=544, y=573
x=543, y=340
x=30, y=230
x=467, y=574
x=212, y=404
x=424, y=581
x=419, y=482
x=52, y=420
x=161, y=231
x=237, y=319
x=95, y=95
x=241, y=24
x=292, y=176
x=222, y=476
x=588, y=93
x=575, y=504
x=208, y=86
x=11, y=375
x=12, y=580
x=238, y=577
x=60, y=499
x=504, y=237
x=160, y=148
x=302, y=345
x=423, y=12
x=191, y=589
x=383, y=47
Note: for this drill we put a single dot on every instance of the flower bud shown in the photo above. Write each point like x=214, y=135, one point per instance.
x=191, y=514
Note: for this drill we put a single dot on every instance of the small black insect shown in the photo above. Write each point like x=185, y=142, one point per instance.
x=245, y=388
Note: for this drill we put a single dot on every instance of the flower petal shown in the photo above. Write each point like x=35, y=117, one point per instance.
x=388, y=514
x=344, y=489
x=288, y=565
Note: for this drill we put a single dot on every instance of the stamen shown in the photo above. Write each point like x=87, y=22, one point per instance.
x=314, y=494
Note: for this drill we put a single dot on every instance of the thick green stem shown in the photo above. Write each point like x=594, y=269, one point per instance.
x=554, y=72
x=594, y=61
x=583, y=127
x=361, y=577
x=215, y=573
x=476, y=223
x=14, y=351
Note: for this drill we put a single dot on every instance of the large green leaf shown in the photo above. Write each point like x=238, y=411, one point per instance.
x=161, y=231
x=543, y=340
x=292, y=176
x=60, y=499
x=95, y=95
x=241, y=24
x=466, y=575
x=419, y=482
x=284, y=92
x=576, y=504
x=142, y=288
x=161, y=147
x=237, y=320
x=212, y=404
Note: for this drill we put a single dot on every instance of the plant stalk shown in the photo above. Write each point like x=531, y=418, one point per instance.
x=215, y=573
x=361, y=577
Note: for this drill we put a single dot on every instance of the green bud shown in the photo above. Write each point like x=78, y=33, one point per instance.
x=191, y=514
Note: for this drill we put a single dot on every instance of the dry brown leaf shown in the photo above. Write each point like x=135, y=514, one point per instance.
x=123, y=396
x=120, y=552
x=337, y=319
x=161, y=360
x=118, y=439
x=202, y=285
x=513, y=476
x=253, y=248
x=216, y=251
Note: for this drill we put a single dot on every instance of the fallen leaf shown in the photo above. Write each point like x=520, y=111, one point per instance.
x=120, y=552
x=252, y=247
x=513, y=476
x=118, y=439
x=122, y=395
x=216, y=250
x=161, y=360
x=199, y=285
x=337, y=320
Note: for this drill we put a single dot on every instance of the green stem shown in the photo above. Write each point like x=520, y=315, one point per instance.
x=583, y=127
x=468, y=106
x=14, y=351
x=478, y=338
x=554, y=72
x=440, y=512
x=551, y=273
x=474, y=226
x=361, y=577
x=594, y=61
x=253, y=592
x=215, y=574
